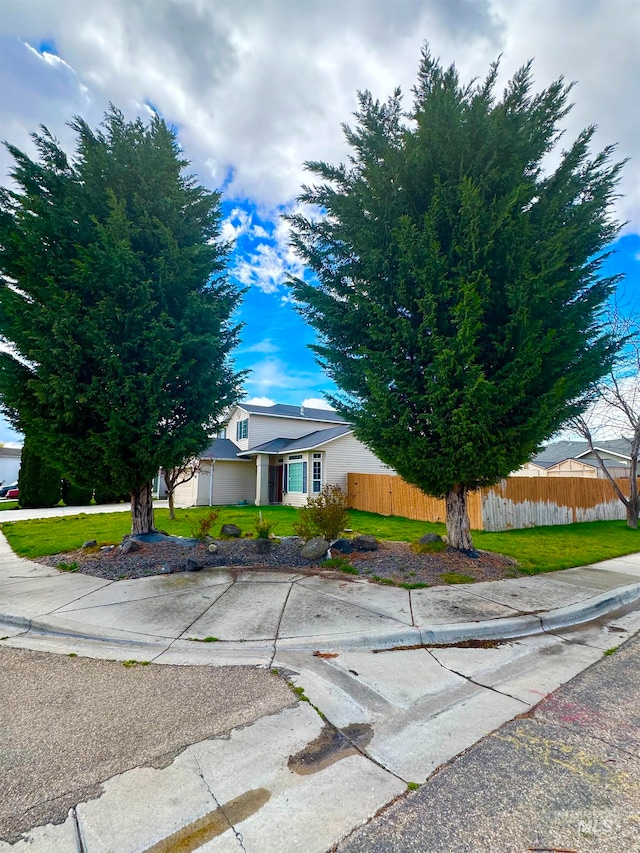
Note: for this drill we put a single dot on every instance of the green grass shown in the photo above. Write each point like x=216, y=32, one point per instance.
x=456, y=577
x=537, y=549
x=8, y=505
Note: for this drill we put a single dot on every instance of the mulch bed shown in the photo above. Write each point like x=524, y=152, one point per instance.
x=393, y=562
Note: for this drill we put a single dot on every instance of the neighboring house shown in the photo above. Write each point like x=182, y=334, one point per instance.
x=277, y=455
x=9, y=464
x=574, y=459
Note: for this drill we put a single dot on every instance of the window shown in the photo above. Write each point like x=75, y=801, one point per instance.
x=222, y=432
x=296, y=479
x=316, y=478
x=242, y=429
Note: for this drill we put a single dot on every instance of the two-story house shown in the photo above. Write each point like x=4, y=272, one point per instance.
x=277, y=455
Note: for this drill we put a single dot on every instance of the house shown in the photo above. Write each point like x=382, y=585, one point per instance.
x=9, y=463
x=574, y=459
x=277, y=455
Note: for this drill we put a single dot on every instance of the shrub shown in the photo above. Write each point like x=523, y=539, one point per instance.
x=264, y=528
x=202, y=528
x=38, y=481
x=325, y=515
x=74, y=495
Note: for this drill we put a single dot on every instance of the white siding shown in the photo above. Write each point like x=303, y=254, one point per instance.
x=346, y=454
x=265, y=428
x=232, y=482
x=9, y=468
x=185, y=494
x=239, y=415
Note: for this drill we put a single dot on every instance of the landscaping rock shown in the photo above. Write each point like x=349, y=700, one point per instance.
x=262, y=546
x=129, y=546
x=212, y=548
x=90, y=543
x=315, y=548
x=231, y=530
x=429, y=539
x=365, y=543
x=194, y=563
x=165, y=570
x=343, y=546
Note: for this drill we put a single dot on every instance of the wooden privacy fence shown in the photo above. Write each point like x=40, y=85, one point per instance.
x=516, y=502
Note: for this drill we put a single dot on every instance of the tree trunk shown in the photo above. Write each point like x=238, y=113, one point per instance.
x=632, y=514
x=172, y=510
x=142, y=510
x=458, y=530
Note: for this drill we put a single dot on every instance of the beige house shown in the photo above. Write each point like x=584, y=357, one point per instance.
x=574, y=459
x=277, y=455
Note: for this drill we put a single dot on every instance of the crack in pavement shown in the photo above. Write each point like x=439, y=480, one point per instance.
x=219, y=805
x=277, y=633
x=81, y=845
x=477, y=683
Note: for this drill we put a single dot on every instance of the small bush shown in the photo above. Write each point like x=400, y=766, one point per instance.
x=67, y=567
x=202, y=528
x=264, y=528
x=325, y=515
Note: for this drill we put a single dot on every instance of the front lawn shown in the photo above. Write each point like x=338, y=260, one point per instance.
x=538, y=549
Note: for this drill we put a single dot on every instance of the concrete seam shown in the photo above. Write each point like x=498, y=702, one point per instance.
x=277, y=633
x=79, y=841
x=199, y=616
x=477, y=683
x=413, y=621
x=359, y=606
x=73, y=601
x=219, y=805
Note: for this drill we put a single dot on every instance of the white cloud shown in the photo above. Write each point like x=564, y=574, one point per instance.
x=238, y=222
x=266, y=346
x=260, y=401
x=275, y=373
x=257, y=88
x=317, y=403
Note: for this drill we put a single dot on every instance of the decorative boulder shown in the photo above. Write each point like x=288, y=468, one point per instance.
x=262, y=546
x=129, y=545
x=365, y=543
x=429, y=539
x=315, y=548
x=212, y=548
x=90, y=543
x=343, y=546
x=165, y=570
x=231, y=530
x=194, y=563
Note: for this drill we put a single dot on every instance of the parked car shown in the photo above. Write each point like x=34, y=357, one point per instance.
x=12, y=494
x=7, y=486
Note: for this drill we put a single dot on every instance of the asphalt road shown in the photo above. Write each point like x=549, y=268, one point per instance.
x=565, y=776
x=69, y=723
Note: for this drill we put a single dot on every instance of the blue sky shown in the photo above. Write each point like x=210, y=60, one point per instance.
x=256, y=87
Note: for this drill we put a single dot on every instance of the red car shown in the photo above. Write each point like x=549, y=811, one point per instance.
x=13, y=493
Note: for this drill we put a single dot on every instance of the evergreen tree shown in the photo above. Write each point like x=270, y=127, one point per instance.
x=114, y=306
x=38, y=480
x=458, y=289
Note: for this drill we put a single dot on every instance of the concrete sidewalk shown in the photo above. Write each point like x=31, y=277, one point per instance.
x=56, y=511
x=253, y=615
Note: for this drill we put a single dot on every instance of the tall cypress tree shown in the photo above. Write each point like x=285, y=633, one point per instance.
x=458, y=291
x=115, y=306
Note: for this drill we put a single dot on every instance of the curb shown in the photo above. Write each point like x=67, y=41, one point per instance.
x=506, y=628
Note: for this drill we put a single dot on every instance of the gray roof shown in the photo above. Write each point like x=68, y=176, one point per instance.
x=305, y=442
x=552, y=454
x=12, y=452
x=281, y=411
x=220, y=449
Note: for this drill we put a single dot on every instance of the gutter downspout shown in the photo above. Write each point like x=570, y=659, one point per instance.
x=211, y=484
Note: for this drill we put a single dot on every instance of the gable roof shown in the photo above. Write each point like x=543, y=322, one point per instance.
x=305, y=442
x=279, y=410
x=221, y=449
x=552, y=454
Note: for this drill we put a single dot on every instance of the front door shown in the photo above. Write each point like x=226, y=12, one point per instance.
x=276, y=473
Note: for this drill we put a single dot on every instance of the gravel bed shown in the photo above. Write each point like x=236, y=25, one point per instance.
x=393, y=562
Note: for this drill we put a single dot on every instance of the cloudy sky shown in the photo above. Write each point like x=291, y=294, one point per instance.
x=256, y=87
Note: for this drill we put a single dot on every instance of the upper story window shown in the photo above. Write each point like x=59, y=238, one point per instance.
x=222, y=432
x=242, y=429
